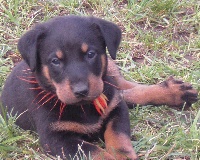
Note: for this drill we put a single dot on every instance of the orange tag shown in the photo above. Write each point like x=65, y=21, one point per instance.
x=100, y=104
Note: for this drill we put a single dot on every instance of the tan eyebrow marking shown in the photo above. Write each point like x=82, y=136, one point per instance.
x=84, y=47
x=59, y=54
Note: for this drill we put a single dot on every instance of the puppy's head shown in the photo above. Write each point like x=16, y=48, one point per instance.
x=68, y=55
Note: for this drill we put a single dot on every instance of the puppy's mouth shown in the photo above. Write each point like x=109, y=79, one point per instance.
x=73, y=100
x=100, y=103
x=82, y=102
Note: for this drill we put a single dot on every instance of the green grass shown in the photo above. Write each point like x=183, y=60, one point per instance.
x=160, y=38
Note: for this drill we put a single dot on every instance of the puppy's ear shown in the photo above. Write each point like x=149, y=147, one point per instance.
x=28, y=45
x=111, y=34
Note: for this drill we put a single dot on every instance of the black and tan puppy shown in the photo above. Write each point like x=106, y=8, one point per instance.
x=71, y=94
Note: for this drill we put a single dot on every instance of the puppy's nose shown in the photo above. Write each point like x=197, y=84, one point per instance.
x=80, y=90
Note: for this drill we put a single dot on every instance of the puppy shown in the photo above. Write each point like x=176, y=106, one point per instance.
x=69, y=92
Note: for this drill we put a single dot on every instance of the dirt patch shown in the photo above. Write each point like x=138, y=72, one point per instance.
x=16, y=58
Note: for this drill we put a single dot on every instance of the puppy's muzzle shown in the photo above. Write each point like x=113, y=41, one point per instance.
x=80, y=90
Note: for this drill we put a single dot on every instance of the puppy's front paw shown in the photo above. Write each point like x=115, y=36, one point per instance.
x=180, y=92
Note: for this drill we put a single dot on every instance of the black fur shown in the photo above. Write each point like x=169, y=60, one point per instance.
x=29, y=88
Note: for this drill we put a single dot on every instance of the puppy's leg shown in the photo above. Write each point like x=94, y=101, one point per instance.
x=170, y=92
x=75, y=148
x=117, y=134
x=64, y=143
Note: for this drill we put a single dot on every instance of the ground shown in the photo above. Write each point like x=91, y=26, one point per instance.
x=160, y=38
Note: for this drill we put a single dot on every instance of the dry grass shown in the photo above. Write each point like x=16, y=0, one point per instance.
x=160, y=38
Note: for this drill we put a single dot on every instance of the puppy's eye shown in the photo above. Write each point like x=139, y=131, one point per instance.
x=91, y=54
x=55, y=61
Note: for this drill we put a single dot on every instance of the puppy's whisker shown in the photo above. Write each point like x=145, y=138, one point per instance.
x=36, y=88
x=62, y=107
x=26, y=73
x=38, y=95
x=54, y=104
x=31, y=77
x=26, y=77
x=49, y=99
x=26, y=80
x=103, y=92
x=46, y=101
x=39, y=106
x=46, y=95
x=83, y=109
x=25, y=70
x=112, y=84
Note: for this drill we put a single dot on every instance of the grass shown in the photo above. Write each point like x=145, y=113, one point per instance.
x=160, y=38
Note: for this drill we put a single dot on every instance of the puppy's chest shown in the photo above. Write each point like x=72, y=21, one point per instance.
x=81, y=114
x=84, y=120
